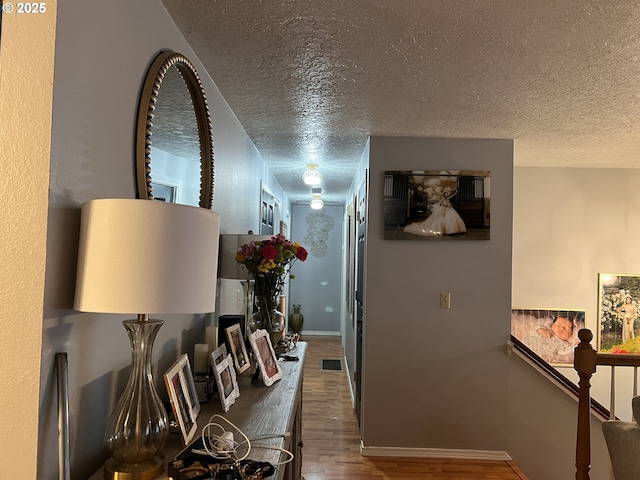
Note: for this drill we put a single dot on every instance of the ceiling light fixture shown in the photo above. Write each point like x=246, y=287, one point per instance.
x=311, y=176
x=316, y=202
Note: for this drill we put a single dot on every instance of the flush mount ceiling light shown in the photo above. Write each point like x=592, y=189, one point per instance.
x=316, y=202
x=311, y=176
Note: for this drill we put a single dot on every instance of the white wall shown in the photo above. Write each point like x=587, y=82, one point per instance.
x=318, y=285
x=570, y=225
x=103, y=50
x=26, y=59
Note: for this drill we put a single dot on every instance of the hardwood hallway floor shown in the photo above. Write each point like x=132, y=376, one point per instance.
x=332, y=439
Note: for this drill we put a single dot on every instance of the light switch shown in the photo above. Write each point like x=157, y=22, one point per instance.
x=445, y=300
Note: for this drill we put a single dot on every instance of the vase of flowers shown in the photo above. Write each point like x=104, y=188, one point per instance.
x=268, y=263
x=268, y=318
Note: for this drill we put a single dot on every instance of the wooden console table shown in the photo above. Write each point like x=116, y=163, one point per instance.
x=260, y=411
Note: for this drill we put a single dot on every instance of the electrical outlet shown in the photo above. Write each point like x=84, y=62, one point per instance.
x=445, y=300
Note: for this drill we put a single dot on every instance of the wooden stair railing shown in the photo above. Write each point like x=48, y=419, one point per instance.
x=585, y=361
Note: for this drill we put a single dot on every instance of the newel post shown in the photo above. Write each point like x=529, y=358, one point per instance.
x=584, y=361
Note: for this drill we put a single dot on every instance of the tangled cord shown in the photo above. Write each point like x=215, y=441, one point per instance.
x=223, y=446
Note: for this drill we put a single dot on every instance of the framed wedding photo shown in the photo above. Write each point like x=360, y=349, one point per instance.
x=618, y=308
x=227, y=382
x=238, y=348
x=178, y=390
x=437, y=205
x=265, y=357
x=552, y=334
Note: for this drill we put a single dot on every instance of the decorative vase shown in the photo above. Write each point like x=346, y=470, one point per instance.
x=269, y=319
x=296, y=320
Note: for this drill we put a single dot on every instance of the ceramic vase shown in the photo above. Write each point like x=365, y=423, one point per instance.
x=296, y=320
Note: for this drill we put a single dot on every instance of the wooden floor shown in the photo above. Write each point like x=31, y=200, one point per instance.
x=332, y=439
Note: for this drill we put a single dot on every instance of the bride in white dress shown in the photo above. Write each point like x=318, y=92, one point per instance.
x=444, y=220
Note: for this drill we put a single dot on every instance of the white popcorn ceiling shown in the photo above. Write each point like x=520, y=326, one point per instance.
x=559, y=77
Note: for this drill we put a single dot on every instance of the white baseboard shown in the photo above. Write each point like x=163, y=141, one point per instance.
x=433, y=453
x=352, y=393
x=316, y=334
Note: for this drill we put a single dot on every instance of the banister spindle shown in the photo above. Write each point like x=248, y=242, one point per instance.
x=612, y=395
x=584, y=363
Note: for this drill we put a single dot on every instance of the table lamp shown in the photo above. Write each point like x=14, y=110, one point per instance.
x=144, y=257
x=230, y=269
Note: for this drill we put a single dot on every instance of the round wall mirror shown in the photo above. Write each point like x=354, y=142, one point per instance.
x=174, y=141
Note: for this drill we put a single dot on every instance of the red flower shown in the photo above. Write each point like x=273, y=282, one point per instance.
x=269, y=252
x=301, y=254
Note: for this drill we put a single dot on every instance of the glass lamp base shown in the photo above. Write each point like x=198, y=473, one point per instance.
x=114, y=470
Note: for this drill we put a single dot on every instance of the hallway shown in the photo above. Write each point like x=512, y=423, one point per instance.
x=332, y=439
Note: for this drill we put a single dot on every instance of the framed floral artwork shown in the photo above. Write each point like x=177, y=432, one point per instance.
x=437, y=205
x=552, y=334
x=618, y=324
x=265, y=357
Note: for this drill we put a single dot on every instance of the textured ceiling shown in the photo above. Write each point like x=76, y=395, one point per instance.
x=310, y=81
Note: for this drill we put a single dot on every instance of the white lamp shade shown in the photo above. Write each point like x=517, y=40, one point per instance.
x=146, y=257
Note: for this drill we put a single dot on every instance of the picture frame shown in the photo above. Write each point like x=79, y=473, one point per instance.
x=430, y=205
x=217, y=356
x=551, y=333
x=178, y=390
x=618, y=328
x=238, y=348
x=192, y=391
x=265, y=357
x=225, y=375
x=167, y=189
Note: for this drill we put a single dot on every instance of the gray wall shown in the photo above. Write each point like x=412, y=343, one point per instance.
x=318, y=285
x=433, y=377
x=103, y=50
x=459, y=388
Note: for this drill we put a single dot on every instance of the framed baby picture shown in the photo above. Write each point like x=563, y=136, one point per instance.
x=225, y=375
x=238, y=348
x=437, y=205
x=178, y=389
x=552, y=334
x=265, y=357
x=618, y=323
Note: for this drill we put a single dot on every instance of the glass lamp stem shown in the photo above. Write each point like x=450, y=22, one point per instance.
x=138, y=429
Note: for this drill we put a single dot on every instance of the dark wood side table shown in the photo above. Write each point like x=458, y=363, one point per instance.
x=260, y=411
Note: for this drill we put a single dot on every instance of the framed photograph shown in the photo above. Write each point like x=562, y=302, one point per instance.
x=618, y=323
x=178, y=389
x=227, y=382
x=166, y=189
x=217, y=356
x=238, y=348
x=551, y=334
x=437, y=205
x=192, y=392
x=265, y=357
